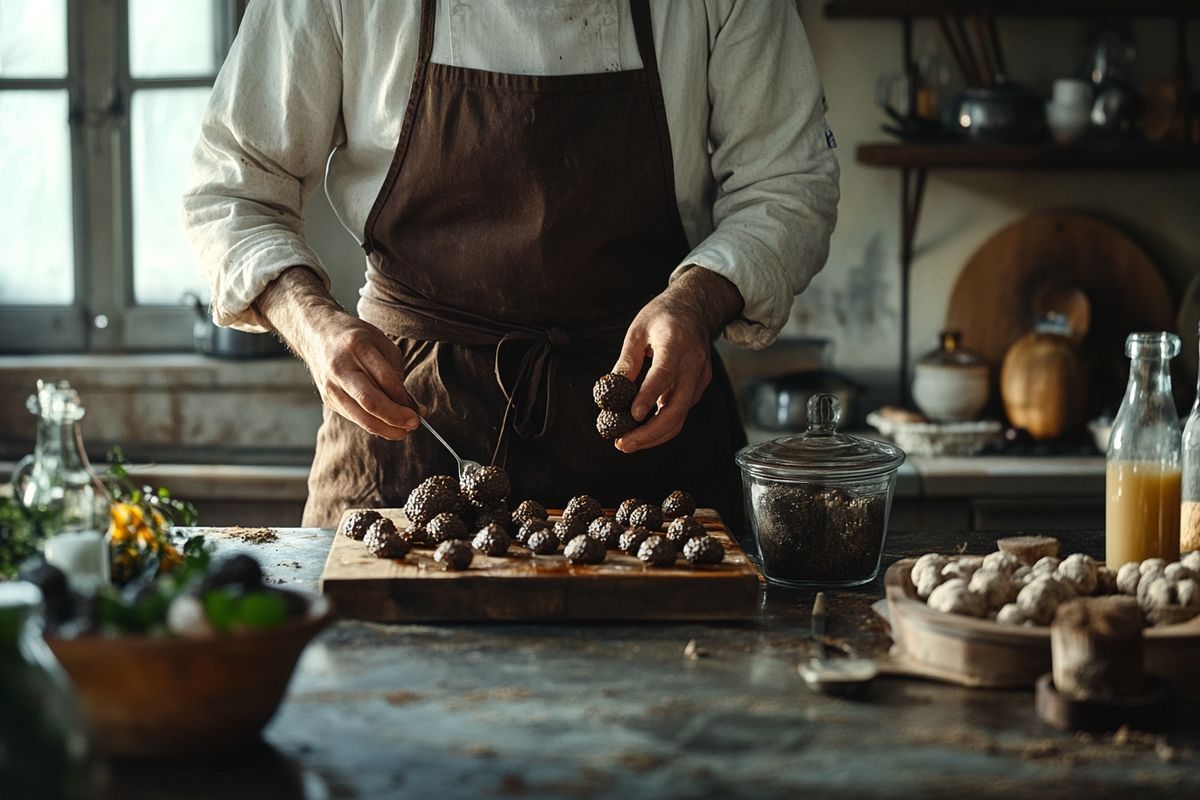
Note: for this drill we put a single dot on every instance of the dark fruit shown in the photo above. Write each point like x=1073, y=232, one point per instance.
x=614, y=392
x=242, y=570
x=657, y=551
x=683, y=528
x=704, y=550
x=583, y=507
x=486, y=486
x=491, y=541
x=646, y=516
x=384, y=541
x=614, y=424
x=585, y=550
x=531, y=527
x=453, y=554
x=678, y=504
x=632, y=539
x=427, y=501
x=356, y=523
x=445, y=483
x=543, y=542
x=446, y=526
x=527, y=510
x=568, y=528
x=626, y=508
x=606, y=530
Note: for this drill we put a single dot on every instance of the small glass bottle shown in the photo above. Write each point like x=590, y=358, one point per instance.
x=1143, y=483
x=1189, y=515
x=43, y=749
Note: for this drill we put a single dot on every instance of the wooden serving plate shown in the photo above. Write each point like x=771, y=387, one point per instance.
x=978, y=652
x=524, y=587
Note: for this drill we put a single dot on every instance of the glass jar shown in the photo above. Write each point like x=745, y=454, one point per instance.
x=1189, y=513
x=1142, y=499
x=55, y=480
x=42, y=743
x=818, y=501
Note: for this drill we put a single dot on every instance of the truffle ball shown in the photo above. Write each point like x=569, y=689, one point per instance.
x=646, y=516
x=583, y=507
x=704, y=550
x=491, y=540
x=568, y=528
x=678, y=504
x=446, y=483
x=1191, y=560
x=631, y=540
x=614, y=424
x=492, y=514
x=607, y=531
x=1128, y=577
x=997, y=588
x=527, y=510
x=1079, y=570
x=446, y=526
x=1046, y=565
x=928, y=570
x=453, y=554
x=962, y=567
x=657, y=551
x=626, y=508
x=683, y=528
x=427, y=501
x=356, y=523
x=415, y=535
x=1153, y=565
x=1177, y=572
x=1159, y=594
x=1187, y=591
x=1041, y=597
x=542, y=542
x=384, y=541
x=486, y=485
x=954, y=597
x=531, y=527
x=614, y=392
x=585, y=550
x=1012, y=614
x=1001, y=561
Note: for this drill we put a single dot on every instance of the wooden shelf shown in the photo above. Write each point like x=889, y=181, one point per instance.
x=1084, y=156
x=849, y=9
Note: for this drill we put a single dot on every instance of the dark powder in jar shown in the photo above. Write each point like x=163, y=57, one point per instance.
x=818, y=533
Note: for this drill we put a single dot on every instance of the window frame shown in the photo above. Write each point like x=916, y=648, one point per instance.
x=104, y=315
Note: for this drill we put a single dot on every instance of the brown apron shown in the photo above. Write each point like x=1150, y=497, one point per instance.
x=523, y=223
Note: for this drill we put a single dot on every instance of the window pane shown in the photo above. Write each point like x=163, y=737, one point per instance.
x=165, y=127
x=37, y=248
x=172, y=39
x=33, y=38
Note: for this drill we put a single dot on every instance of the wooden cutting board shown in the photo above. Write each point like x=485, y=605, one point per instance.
x=1027, y=266
x=524, y=587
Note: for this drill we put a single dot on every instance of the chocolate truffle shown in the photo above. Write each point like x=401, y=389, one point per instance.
x=542, y=542
x=632, y=539
x=626, y=508
x=568, y=528
x=453, y=554
x=614, y=424
x=583, y=507
x=683, y=528
x=446, y=526
x=657, y=551
x=646, y=516
x=704, y=550
x=678, y=504
x=491, y=541
x=527, y=510
x=614, y=392
x=585, y=550
x=492, y=514
x=531, y=527
x=415, y=535
x=606, y=530
x=384, y=541
x=427, y=501
x=486, y=485
x=356, y=523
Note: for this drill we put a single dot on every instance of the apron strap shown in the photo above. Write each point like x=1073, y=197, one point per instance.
x=644, y=31
x=425, y=44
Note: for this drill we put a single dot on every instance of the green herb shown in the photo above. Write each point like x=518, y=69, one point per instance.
x=21, y=531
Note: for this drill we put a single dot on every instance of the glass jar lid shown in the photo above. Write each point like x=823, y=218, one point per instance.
x=820, y=451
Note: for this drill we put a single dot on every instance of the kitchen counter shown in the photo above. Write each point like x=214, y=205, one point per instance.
x=616, y=710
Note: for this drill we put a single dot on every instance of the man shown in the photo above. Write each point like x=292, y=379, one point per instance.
x=546, y=192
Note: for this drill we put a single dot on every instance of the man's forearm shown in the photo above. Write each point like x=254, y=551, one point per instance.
x=703, y=295
x=296, y=304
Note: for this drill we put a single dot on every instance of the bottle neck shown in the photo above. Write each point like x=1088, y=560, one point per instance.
x=1149, y=379
x=56, y=444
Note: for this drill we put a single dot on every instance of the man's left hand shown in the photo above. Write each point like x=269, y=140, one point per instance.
x=676, y=330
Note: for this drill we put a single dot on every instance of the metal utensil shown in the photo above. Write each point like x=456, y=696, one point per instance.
x=465, y=465
x=845, y=677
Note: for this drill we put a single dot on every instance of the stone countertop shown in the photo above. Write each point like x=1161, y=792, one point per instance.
x=616, y=710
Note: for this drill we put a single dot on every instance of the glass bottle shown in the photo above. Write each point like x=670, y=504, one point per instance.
x=1189, y=514
x=42, y=743
x=55, y=481
x=1143, y=483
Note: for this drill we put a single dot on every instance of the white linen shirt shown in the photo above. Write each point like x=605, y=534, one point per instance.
x=314, y=87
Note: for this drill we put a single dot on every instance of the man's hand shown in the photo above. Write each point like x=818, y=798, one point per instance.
x=358, y=371
x=676, y=330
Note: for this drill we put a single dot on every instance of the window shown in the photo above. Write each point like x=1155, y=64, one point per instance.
x=100, y=104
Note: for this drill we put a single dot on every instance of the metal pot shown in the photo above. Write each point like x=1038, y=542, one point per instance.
x=210, y=339
x=781, y=403
x=1006, y=113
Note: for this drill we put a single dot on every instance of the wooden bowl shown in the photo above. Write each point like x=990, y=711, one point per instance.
x=175, y=697
x=979, y=652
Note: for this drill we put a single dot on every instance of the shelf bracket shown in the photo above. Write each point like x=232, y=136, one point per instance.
x=912, y=194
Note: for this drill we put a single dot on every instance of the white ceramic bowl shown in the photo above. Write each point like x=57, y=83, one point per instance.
x=1101, y=428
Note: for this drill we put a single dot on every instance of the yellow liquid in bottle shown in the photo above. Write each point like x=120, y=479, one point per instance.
x=1141, y=512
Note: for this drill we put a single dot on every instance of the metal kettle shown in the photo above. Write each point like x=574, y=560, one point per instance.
x=210, y=339
x=781, y=403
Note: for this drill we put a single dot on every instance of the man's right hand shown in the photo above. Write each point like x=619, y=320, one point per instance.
x=358, y=371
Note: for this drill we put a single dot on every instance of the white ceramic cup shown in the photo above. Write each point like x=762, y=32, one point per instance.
x=1072, y=92
x=1067, y=122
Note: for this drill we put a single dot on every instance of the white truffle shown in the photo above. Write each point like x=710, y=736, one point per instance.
x=1177, y=572
x=1079, y=571
x=1187, y=592
x=953, y=597
x=962, y=567
x=1106, y=581
x=1149, y=576
x=1046, y=565
x=1191, y=561
x=928, y=571
x=1159, y=593
x=1012, y=614
x=1155, y=564
x=929, y=582
x=997, y=588
x=1002, y=562
x=1023, y=575
x=1128, y=577
x=1041, y=597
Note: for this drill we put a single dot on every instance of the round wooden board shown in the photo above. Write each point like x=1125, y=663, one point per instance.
x=979, y=652
x=1019, y=272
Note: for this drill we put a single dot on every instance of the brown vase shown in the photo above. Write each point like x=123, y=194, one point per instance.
x=1043, y=383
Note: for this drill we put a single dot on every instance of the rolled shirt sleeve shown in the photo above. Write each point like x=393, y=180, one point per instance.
x=773, y=163
x=271, y=122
